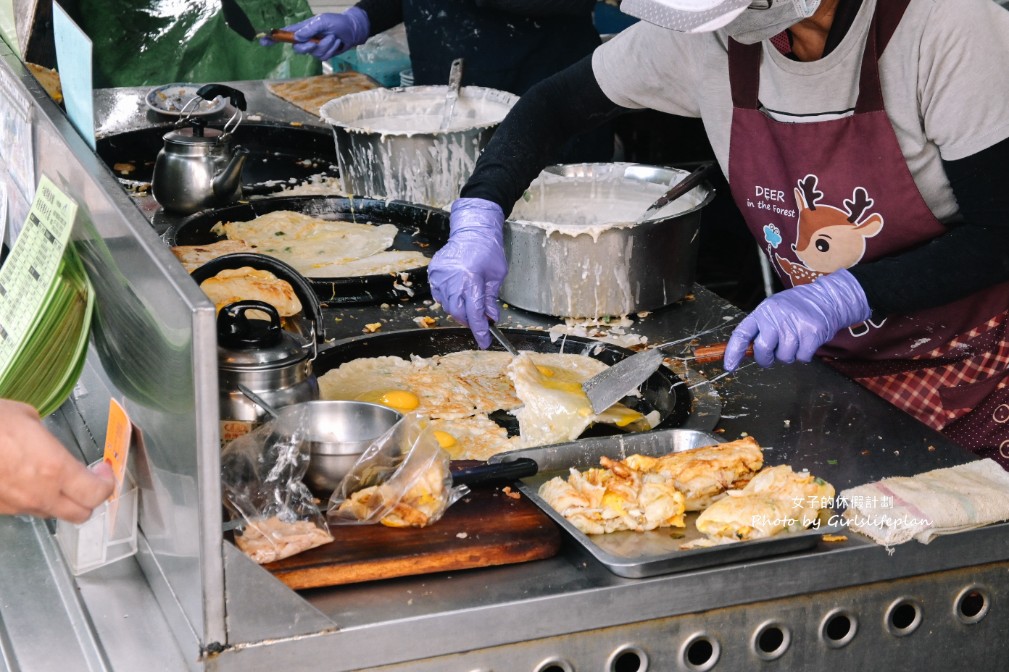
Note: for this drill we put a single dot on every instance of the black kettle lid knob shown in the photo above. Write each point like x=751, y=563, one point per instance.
x=236, y=330
x=197, y=124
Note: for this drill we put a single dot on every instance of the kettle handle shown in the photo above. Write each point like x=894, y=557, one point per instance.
x=233, y=328
x=209, y=91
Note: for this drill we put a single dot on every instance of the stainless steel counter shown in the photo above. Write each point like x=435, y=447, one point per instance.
x=848, y=605
x=805, y=415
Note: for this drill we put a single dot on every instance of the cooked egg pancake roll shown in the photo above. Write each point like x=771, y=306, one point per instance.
x=704, y=474
x=774, y=501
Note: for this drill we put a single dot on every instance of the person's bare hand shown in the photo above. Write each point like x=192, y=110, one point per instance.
x=38, y=476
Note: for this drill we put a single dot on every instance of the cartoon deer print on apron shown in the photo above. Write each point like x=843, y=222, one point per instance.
x=828, y=238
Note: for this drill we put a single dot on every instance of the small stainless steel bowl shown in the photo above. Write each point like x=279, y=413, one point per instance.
x=339, y=431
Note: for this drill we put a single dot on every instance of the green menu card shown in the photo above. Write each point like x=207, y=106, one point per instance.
x=46, y=301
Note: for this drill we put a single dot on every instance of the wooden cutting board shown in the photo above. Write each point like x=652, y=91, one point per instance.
x=483, y=529
x=311, y=93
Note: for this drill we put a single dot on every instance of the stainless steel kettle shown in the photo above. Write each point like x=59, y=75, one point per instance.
x=198, y=167
x=262, y=356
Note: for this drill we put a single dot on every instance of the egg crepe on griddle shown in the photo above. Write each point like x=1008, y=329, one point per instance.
x=315, y=247
x=290, y=226
x=407, y=386
x=245, y=283
x=466, y=387
x=381, y=263
x=485, y=373
x=474, y=438
x=194, y=256
x=322, y=248
x=555, y=408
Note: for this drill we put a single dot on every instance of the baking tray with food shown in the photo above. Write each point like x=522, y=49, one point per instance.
x=676, y=544
x=390, y=235
x=281, y=156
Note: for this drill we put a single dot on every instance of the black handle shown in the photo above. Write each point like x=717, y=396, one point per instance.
x=683, y=186
x=499, y=471
x=210, y=91
x=235, y=330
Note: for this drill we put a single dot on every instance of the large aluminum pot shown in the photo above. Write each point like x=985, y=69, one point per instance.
x=389, y=143
x=574, y=249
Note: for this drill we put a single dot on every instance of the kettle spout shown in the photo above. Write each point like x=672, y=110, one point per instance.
x=228, y=183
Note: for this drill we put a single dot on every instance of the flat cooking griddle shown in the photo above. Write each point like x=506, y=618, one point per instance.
x=664, y=391
x=421, y=229
x=280, y=155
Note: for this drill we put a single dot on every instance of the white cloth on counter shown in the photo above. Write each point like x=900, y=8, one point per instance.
x=922, y=507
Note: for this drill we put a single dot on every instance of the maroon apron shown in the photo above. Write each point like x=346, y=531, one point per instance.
x=826, y=195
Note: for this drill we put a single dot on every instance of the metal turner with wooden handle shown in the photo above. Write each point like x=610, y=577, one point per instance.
x=616, y=382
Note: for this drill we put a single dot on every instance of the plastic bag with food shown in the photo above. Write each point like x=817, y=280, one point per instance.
x=261, y=474
x=401, y=480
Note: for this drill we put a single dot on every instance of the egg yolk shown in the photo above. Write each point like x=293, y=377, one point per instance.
x=445, y=440
x=568, y=383
x=614, y=502
x=400, y=400
x=620, y=415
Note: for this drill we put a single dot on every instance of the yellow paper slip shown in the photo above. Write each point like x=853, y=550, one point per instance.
x=117, y=450
x=117, y=443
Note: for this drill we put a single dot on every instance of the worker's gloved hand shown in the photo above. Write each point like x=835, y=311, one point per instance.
x=466, y=274
x=793, y=324
x=336, y=32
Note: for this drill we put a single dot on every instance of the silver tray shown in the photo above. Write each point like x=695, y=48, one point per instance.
x=640, y=554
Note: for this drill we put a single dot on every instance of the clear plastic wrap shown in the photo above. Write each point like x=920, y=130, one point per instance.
x=261, y=473
x=401, y=480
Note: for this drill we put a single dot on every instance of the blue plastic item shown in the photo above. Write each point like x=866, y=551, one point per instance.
x=384, y=66
x=609, y=19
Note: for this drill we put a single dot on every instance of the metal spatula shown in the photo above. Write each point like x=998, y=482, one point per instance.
x=236, y=19
x=454, y=80
x=502, y=339
x=616, y=382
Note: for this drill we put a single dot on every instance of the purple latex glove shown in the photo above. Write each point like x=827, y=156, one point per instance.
x=793, y=324
x=336, y=32
x=466, y=274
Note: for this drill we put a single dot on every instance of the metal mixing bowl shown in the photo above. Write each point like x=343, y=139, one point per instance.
x=338, y=432
x=610, y=266
x=390, y=145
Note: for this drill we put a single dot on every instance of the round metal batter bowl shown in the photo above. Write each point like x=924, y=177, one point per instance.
x=422, y=167
x=597, y=270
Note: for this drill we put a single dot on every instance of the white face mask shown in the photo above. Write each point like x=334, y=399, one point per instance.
x=685, y=16
x=755, y=25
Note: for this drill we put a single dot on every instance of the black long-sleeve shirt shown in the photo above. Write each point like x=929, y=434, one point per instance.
x=977, y=243
x=384, y=14
x=506, y=44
